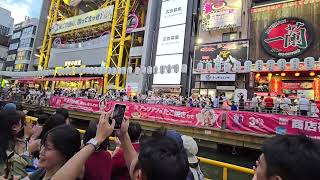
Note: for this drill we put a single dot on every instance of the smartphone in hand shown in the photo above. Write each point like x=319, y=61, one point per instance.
x=118, y=114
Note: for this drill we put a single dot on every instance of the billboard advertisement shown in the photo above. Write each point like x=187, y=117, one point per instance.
x=173, y=12
x=84, y=20
x=287, y=37
x=220, y=14
x=227, y=52
x=171, y=40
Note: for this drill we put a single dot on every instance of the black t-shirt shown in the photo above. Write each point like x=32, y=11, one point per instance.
x=38, y=174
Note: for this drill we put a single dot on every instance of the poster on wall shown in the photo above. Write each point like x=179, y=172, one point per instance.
x=220, y=14
x=173, y=12
x=226, y=52
x=171, y=40
x=287, y=37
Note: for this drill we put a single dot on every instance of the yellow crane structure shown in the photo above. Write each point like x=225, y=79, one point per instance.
x=119, y=44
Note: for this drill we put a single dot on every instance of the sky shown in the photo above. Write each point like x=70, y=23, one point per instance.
x=21, y=8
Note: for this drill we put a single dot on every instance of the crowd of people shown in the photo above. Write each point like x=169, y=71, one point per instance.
x=280, y=104
x=53, y=149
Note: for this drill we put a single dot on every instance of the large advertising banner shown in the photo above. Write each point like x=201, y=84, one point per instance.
x=220, y=14
x=84, y=20
x=223, y=52
x=261, y=123
x=75, y=104
x=172, y=114
x=180, y=115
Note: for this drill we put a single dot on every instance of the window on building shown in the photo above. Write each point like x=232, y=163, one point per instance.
x=13, y=46
x=25, y=43
x=21, y=67
x=16, y=35
x=23, y=55
x=229, y=36
x=4, y=30
x=11, y=57
x=27, y=31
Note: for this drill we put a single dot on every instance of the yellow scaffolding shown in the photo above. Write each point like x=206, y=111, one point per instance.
x=118, y=52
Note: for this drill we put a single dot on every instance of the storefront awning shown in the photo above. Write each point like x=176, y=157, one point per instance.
x=32, y=80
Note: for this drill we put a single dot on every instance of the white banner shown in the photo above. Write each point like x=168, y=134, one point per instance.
x=218, y=77
x=171, y=40
x=84, y=20
x=173, y=12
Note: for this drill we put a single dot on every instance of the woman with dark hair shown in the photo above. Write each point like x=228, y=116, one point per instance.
x=5, y=138
x=57, y=147
x=12, y=161
x=99, y=165
x=54, y=121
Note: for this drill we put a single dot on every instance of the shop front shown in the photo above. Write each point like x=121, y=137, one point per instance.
x=285, y=49
x=295, y=84
x=217, y=68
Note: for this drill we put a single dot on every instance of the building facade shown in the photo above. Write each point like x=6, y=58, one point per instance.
x=286, y=33
x=221, y=46
x=21, y=45
x=6, y=26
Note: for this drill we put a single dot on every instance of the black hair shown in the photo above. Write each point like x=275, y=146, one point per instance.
x=286, y=95
x=91, y=133
x=13, y=117
x=5, y=135
x=54, y=121
x=161, y=158
x=65, y=139
x=63, y=112
x=43, y=118
x=134, y=131
x=292, y=157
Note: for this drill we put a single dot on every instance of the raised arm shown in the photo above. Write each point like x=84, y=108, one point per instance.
x=129, y=152
x=72, y=169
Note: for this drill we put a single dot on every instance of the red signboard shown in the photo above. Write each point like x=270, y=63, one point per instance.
x=287, y=37
x=262, y=123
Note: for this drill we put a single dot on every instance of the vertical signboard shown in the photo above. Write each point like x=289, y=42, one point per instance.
x=170, y=44
x=173, y=12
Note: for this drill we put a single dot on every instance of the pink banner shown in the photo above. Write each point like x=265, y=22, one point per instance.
x=172, y=114
x=153, y=112
x=76, y=104
x=261, y=123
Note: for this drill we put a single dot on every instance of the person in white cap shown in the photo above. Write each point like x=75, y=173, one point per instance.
x=191, y=147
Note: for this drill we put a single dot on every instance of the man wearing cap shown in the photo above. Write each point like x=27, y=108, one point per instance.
x=191, y=147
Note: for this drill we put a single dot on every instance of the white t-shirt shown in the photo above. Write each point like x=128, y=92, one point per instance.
x=304, y=104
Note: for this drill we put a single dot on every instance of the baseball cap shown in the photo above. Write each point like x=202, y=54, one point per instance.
x=10, y=107
x=190, y=145
x=175, y=136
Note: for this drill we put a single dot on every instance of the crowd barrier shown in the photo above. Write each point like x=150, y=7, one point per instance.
x=240, y=121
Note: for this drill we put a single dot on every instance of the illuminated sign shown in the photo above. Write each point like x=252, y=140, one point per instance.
x=287, y=37
x=84, y=20
x=220, y=14
x=72, y=63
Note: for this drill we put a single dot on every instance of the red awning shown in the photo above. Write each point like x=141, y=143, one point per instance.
x=70, y=79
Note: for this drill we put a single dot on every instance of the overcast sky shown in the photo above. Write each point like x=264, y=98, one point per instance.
x=21, y=8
